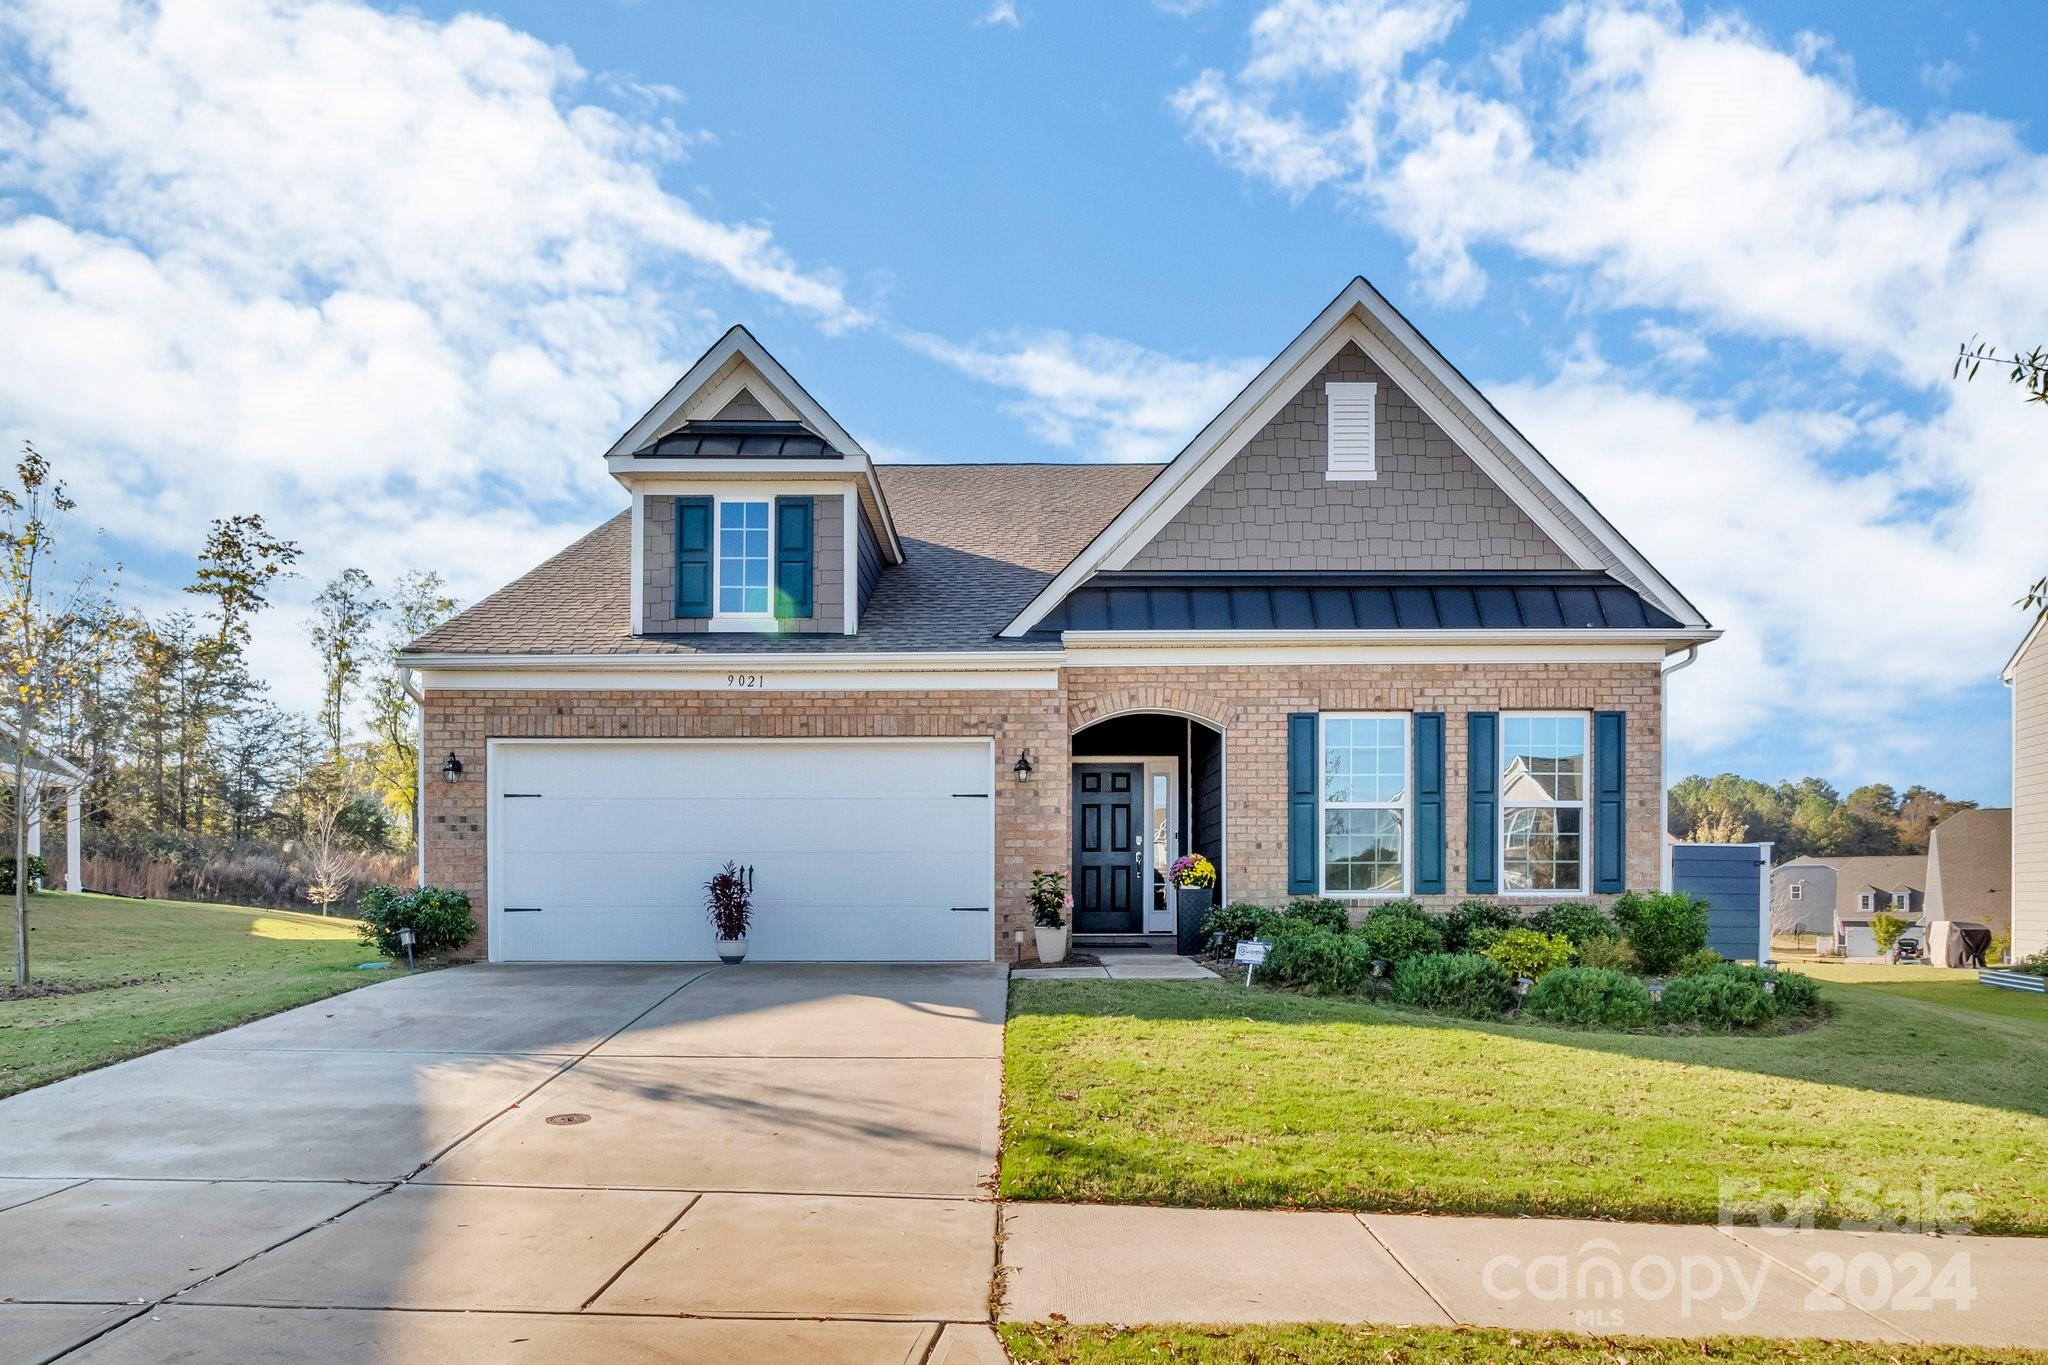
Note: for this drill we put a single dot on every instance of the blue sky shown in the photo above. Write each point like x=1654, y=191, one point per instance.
x=396, y=278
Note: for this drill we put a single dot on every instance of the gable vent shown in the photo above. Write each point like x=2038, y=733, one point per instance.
x=1352, y=452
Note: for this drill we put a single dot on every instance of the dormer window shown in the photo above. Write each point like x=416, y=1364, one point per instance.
x=1353, y=452
x=743, y=557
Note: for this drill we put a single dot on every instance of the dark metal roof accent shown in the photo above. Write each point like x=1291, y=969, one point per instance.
x=733, y=439
x=1420, y=600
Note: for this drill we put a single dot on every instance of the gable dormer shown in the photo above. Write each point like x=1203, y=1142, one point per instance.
x=753, y=511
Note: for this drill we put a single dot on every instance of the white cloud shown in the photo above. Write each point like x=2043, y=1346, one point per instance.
x=1863, y=555
x=381, y=278
x=1001, y=14
x=1102, y=398
x=1680, y=346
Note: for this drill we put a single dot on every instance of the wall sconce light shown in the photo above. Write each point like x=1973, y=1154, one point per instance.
x=1023, y=768
x=451, y=767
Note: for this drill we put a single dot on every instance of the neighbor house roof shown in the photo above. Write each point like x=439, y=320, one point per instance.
x=1969, y=868
x=1408, y=600
x=979, y=541
x=1854, y=876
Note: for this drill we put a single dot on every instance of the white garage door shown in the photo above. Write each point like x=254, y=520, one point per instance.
x=867, y=850
x=1859, y=940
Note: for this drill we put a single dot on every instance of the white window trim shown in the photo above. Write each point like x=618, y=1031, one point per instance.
x=1369, y=470
x=1865, y=901
x=1584, y=805
x=1406, y=805
x=1798, y=891
x=739, y=620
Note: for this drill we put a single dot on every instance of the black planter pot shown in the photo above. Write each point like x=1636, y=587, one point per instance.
x=1190, y=907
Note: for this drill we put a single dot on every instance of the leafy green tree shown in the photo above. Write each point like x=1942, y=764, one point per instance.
x=343, y=615
x=50, y=639
x=1886, y=927
x=419, y=602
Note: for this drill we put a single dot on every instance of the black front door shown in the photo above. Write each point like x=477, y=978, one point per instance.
x=1109, y=848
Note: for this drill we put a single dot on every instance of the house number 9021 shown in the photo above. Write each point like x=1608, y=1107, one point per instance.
x=744, y=679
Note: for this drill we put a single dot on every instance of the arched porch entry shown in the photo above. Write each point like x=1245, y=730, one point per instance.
x=1146, y=787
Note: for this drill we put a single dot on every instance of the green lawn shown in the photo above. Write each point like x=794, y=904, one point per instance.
x=1326, y=1344
x=157, y=973
x=1208, y=1094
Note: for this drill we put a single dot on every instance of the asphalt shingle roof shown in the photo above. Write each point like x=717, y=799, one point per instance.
x=979, y=541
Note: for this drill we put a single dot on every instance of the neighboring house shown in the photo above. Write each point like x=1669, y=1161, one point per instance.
x=1969, y=869
x=1358, y=639
x=1839, y=897
x=2026, y=673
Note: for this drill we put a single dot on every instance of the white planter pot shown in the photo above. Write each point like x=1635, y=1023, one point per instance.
x=732, y=951
x=1052, y=943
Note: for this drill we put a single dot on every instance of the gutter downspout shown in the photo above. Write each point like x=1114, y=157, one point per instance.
x=1692, y=654
x=406, y=681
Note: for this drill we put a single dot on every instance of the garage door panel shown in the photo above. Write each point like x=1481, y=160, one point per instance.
x=860, y=851
x=726, y=827
x=716, y=769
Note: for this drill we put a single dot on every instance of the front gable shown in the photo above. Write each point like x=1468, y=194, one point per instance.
x=1276, y=505
x=1449, y=485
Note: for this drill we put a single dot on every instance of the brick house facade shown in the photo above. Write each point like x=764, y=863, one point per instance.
x=1020, y=613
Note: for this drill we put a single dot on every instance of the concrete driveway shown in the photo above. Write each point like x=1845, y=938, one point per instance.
x=527, y=1163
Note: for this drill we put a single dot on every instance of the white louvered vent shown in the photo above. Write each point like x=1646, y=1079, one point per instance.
x=1352, y=452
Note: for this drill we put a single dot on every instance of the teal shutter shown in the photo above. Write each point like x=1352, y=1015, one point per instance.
x=793, y=558
x=1429, y=803
x=1482, y=802
x=1610, y=768
x=1303, y=852
x=693, y=557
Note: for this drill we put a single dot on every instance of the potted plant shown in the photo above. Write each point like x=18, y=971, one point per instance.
x=1194, y=887
x=729, y=901
x=1049, y=906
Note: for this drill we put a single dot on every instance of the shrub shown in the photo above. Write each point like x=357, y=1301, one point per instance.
x=1226, y=926
x=1692, y=964
x=1316, y=960
x=1662, y=927
x=1590, y=997
x=38, y=874
x=1321, y=912
x=1576, y=920
x=1792, y=996
x=2035, y=964
x=1483, y=918
x=1716, y=1001
x=1399, y=930
x=1455, y=983
x=1886, y=927
x=1609, y=954
x=439, y=919
x=1525, y=952
x=2000, y=949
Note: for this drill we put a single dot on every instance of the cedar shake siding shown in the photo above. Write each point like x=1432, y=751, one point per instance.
x=828, y=569
x=1273, y=507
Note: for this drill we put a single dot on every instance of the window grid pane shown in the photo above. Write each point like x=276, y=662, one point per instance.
x=743, y=558
x=1365, y=789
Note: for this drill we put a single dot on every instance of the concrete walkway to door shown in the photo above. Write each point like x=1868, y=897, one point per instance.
x=569, y=1162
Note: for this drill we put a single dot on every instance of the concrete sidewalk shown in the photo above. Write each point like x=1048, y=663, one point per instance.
x=1124, y=964
x=1092, y=1263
